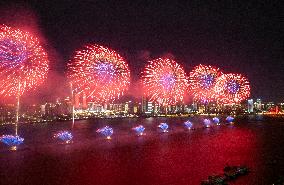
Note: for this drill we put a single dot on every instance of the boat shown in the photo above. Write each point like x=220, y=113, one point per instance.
x=230, y=173
x=215, y=180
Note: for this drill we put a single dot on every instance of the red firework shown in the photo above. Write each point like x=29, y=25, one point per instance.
x=232, y=88
x=164, y=81
x=23, y=62
x=99, y=72
x=202, y=82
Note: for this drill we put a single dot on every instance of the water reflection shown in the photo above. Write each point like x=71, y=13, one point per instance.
x=176, y=157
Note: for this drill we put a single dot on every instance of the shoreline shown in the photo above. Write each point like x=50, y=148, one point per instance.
x=249, y=116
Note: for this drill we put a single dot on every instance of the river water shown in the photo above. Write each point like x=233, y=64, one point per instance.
x=179, y=157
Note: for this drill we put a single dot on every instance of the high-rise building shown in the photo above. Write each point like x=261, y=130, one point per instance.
x=97, y=108
x=149, y=107
x=258, y=105
x=126, y=107
x=201, y=109
x=194, y=106
x=157, y=108
x=250, y=105
x=135, y=109
x=42, y=109
x=144, y=104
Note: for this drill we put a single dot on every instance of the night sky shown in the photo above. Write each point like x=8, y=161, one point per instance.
x=242, y=37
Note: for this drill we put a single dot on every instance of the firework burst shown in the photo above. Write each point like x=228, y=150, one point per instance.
x=232, y=88
x=202, y=82
x=23, y=62
x=164, y=81
x=99, y=72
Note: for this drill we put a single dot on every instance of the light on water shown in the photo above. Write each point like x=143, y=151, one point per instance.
x=64, y=136
x=216, y=120
x=230, y=119
x=139, y=130
x=207, y=123
x=106, y=131
x=164, y=127
x=188, y=124
x=12, y=141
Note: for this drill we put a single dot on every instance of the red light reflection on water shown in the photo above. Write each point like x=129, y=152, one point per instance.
x=173, y=159
x=156, y=159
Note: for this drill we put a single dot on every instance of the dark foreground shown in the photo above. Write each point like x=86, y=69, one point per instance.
x=179, y=157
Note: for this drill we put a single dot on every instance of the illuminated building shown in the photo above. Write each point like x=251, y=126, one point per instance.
x=250, y=106
x=194, y=106
x=258, y=105
x=93, y=107
x=42, y=109
x=201, y=109
x=281, y=106
x=135, y=109
x=149, y=108
x=126, y=107
x=144, y=104
x=7, y=113
x=269, y=106
x=157, y=109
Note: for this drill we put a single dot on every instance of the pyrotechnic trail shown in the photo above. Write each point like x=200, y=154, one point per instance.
x=164, y=81
x=202, y=82
x=232, y=88
x=99, y=72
